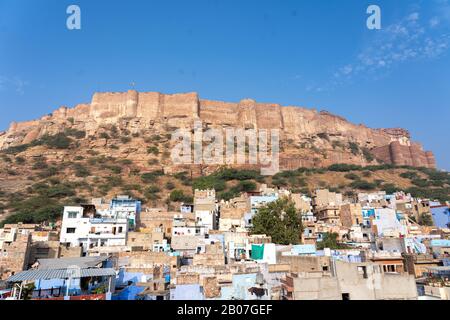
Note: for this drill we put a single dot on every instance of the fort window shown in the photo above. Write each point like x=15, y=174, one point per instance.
x=70, y=230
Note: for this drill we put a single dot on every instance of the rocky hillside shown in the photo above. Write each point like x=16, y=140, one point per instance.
x=308, y=138
x=121, y=142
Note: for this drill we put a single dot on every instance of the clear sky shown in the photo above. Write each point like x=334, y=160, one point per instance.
x=312, y=53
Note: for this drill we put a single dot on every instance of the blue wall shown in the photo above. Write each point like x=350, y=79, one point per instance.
x=128, y=293
x=441, y=216
x=186, y=292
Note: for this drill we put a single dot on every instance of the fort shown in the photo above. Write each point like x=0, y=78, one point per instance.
x=410, y=155
x=298, y=125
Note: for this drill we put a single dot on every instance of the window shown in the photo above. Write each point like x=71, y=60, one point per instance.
x=120, y=229
x=346, y=296
x=70, y=230
x=72, y=214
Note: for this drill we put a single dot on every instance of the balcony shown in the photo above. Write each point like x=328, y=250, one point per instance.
x=107, y=220
x=106, y=235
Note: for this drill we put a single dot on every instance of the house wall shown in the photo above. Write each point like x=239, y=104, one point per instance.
x=351, y=215
x=300, y=264
x=323, y=288
x=14, y=256
x=187, y=292
x=373, y=284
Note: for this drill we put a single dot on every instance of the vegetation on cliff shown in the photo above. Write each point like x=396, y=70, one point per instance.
x=70, y=167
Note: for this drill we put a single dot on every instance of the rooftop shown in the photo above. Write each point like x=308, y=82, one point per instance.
x=45, y=274
x=64, y=263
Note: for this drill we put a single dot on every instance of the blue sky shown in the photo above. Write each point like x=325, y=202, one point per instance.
x=317, y=54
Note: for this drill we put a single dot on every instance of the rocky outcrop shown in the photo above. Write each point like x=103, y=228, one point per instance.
x=304, y=131
x=410, y=154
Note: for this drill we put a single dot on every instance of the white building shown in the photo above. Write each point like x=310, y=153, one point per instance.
x=84, y=226
x=388, y=224
x=206, y=209
x=373, y=197
x=182, y=226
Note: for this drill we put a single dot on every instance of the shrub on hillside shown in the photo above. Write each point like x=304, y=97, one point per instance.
x=367, y=155
x=179, y=196
x=169, y=185
x=20, y=160
x=362, y=185
x=57, y=141
x=409, y=175
x=151, y=176
x=80, y=170
x=78, y=134
x=354, y=148
x=153, y=150
x=125, y=140
x=352, y=176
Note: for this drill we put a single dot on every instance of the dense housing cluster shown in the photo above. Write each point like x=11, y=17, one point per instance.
x=270, y=244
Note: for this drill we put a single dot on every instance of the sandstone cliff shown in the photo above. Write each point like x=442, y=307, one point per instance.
x=309, y=137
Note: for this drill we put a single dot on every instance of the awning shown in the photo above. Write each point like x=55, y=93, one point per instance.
x=38, y=274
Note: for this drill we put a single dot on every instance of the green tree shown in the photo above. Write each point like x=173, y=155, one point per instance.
x=280, y=220
x=425, y=220
x=330, y=241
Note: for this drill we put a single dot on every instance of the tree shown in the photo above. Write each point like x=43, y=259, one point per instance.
x=425, y=220
x=330, y=241
x=280, y=220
